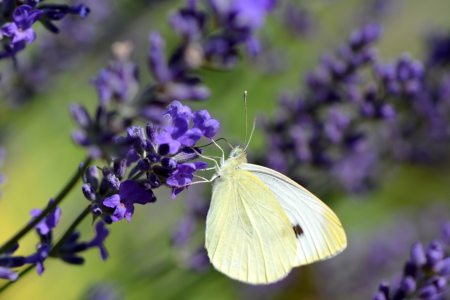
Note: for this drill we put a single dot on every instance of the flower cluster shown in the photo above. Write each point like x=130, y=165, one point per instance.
x=320, y=128
x=36, y=70
x=351, y=103
x=425, y=274
x=20, y=32
x=67, y=250
x=156, y=155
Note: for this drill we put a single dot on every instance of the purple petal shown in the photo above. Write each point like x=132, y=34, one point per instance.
x=112, y=201
x=163, y=138
x=157, y=58
x=9, y=29
x=200, y=165
x=21, y=13
x=129, y=212
x=173, y=180
x=119, y=213
x=101, y=233
x=180, y=127
x=176, y=109
x=42, y=225
x=210, y=128
x=187, y=168
x=34, y=16
x=174, y=147
x=80, y=115
x=130, y=192
x=176, y=191
x=190, y=137
x=6, y=273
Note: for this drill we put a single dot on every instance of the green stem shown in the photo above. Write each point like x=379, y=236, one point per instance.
x=70, y=230
x=24, y=271
x=55, y=248
x=46, y=211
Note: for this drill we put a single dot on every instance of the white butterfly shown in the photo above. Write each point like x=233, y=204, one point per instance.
x=261, y=224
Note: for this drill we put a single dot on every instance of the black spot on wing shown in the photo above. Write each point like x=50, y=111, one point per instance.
x=298, y=230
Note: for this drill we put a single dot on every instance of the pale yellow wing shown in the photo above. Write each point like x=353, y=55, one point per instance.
x=319, y=232
x=248, y=235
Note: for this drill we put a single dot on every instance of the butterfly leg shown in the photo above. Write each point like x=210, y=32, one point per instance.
x=207, y=157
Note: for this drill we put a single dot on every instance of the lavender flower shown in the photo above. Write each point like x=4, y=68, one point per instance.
x=123, y=203
x=425, y=275
x=57, y=12
x=43, y=250
x=49, y=222
x=24, y=17
x=20, y=31
x=7, y=262
x=182, y=176
x=118, y=81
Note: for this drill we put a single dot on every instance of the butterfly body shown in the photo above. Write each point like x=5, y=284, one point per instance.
x=258, y=228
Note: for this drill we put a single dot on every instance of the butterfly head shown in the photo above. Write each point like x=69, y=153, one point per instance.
x=237, y=151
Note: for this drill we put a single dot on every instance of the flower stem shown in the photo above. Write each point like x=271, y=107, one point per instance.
x=70, y=230
x=55, y=248
x=47, y=210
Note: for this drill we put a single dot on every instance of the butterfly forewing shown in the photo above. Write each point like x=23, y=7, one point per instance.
x=318, y=230
x=248, y=235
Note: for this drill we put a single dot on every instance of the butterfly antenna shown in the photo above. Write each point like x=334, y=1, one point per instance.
x=246, y=121
x=251, y=134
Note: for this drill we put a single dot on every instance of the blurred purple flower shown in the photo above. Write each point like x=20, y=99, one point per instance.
x=20, y=30
x=123, y=203
x=118, y=81
x=101, y=233
x=182, y=176
x=49, y=222
x=7, y=262
x=43, y=250
x=57, y=12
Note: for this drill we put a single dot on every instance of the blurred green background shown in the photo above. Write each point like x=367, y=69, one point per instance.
x=142, y=265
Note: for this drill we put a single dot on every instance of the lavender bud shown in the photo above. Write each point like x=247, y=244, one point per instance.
x=162, y=172
x=154, y=180
x=427, y=292
x=384, y=288
x=88, y=192
x=187, y=154
x=96, y=210
x=107, y=219
x=151, y=131
x=411, y=269
x=408, y=284
x=440, y=283
x=80, y=115
x=163, y=149
x=153, y=157
x=168, y=163
x=144, y=165
x=114, y=183
x=92, y=177
x=379, y=296
x=72, y=259
x=418, y=254
x=120, y=167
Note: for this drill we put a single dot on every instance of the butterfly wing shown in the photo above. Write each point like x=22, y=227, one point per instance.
x=248, y=235
x=319, y=232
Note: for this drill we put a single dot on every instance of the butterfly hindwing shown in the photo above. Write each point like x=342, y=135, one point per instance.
x=248, y=234
x=318, y=230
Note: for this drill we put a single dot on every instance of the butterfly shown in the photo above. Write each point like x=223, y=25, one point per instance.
x=261, y=224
